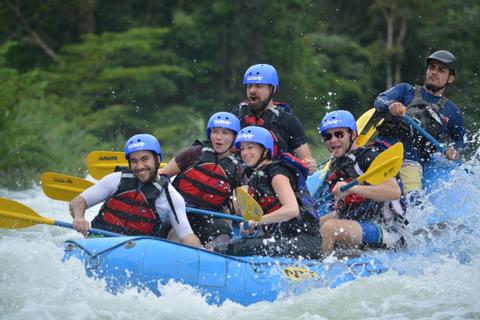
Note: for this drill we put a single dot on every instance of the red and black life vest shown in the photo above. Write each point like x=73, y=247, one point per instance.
x=269, y=119
x=355, y=207
x=131, y=210
x=208, y=184
x=260, y=188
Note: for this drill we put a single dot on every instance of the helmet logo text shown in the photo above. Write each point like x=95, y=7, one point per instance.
x=246, y=136
x=254, y=78
x=331, y=122
x=221, y=122
x=136, y=145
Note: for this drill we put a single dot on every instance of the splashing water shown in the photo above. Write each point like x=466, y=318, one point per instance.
x=440, y=283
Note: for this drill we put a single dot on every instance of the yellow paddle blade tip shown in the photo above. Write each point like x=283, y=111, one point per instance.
x=251, y=210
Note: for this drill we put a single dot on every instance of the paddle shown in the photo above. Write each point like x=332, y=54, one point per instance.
x=364, y=119
x=14, y=215
x=101, y=163
x=61, y=187
x=385, y=166
x=250, y=208
x=424, y=133
x=364, y=138
x=362, y=122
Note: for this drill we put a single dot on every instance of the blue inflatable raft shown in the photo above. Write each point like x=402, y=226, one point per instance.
x=148, y=263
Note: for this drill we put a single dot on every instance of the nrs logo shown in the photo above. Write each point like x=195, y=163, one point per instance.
x=254, y=78
x=331, y=122
x=245, y=136
x=221, y=123
x=136, y=145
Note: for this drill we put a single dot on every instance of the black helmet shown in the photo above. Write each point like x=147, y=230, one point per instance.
x=446, y=57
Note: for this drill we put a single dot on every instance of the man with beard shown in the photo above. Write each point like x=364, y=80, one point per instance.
x=261, y=82
x=431, y=109
x=137, y=200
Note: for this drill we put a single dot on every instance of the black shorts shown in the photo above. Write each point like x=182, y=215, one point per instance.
x=207, y=228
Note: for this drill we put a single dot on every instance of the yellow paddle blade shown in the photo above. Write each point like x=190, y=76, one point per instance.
x=325, y=170
x=61, y=187
x=364, y=138
x=385, y=166
x=364, y=119
x=101, y=163
x=251, y=210
x=14, y=215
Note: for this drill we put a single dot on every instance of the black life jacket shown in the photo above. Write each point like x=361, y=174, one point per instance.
x=208, y=184
x=427, y=115
x=131, y=210
x=353, y=206
x=270, y=119
x=260, y=188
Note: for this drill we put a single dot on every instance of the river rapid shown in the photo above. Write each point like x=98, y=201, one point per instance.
x=36, y=284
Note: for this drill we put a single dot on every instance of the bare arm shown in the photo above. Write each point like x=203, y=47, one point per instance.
x=386, y=191
x=191, y=240
x=289, y=209
x=303, y=152
x=170, y=169
x=77, y=210
x=90, y=197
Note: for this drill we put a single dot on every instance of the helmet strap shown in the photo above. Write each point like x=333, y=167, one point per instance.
x=153, y=178
x=262, y=157
x=156, y=158
x=352, y=140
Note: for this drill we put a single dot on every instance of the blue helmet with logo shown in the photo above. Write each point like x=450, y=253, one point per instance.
x=223, y=120
x=258, y=135
x=261, y=74
x=142, y=142
x=337, y=119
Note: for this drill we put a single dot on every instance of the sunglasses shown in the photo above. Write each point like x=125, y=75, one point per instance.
x=328, y=136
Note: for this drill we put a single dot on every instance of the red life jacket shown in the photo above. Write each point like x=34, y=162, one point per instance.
x=208, y=184
x=130, y=210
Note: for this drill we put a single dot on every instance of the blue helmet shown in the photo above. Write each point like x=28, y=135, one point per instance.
x=258, y=135
x=261, y=74
x=223, y=120
x=338, y=119
x=142, y=142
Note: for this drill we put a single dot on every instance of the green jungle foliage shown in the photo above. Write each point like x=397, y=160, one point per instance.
x=82, y=76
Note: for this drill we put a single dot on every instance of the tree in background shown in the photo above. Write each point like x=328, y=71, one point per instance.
x=164, y=66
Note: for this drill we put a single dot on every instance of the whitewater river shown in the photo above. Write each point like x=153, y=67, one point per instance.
x=36, y=284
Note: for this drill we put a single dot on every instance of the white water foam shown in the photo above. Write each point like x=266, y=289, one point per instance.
x=36, y=284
